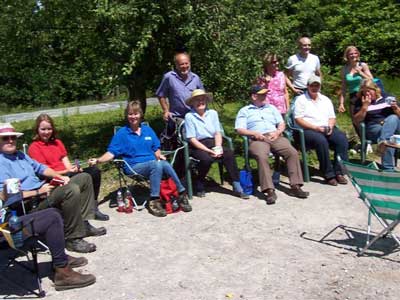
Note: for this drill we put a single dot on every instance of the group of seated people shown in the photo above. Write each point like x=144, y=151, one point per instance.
x=61, y=214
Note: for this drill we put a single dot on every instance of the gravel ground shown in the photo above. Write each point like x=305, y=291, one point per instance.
x=229, y=248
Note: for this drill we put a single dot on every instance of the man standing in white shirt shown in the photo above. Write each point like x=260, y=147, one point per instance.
x=301, y=66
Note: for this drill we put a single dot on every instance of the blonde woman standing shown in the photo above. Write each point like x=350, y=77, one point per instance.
x=352, y=74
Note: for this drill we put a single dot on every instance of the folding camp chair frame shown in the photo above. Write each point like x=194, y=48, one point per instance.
x=387, y=227
x=120, y=164
x=33, y=249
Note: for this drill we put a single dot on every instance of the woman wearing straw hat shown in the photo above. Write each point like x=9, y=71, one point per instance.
x=203, y=131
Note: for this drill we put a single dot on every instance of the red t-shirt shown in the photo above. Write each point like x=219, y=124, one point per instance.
x=49, y=154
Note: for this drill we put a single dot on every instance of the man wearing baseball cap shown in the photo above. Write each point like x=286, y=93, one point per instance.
x=263, y=124
x=314, y=112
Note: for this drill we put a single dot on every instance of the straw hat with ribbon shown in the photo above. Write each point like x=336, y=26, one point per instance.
x=198, y=93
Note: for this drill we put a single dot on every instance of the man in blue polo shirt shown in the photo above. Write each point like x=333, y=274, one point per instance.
x=263, y=124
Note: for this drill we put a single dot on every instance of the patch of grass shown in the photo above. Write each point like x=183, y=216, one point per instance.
x=89, y=135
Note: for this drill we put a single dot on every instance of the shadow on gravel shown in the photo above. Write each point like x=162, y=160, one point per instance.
x=353, y=239
x=16, y=281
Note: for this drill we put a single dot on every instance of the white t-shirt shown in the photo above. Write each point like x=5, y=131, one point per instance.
x=316, y=112
x=302, y=68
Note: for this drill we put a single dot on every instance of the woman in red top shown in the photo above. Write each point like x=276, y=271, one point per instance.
x=50, y=151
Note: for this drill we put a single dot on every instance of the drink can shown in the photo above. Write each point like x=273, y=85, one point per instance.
x=13, y=186
x=390, y=99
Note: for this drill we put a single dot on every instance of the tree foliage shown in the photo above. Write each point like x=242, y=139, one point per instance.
x=59, y=51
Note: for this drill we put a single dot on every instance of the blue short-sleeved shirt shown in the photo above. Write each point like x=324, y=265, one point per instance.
x=21, y=166
x=178, y=90
x=202, y=128
x=262, y=119
x=134, y=148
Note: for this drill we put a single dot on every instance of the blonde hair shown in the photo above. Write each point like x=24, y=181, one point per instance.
x=268, y=58
x=371, y=85
x=348, y=49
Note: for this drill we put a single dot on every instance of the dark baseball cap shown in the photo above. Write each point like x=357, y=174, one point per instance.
x=259, y=90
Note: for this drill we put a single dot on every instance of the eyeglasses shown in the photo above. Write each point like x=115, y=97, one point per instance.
x=7, y=138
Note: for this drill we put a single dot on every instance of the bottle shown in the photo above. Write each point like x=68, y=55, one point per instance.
x=120, y=202
x=128, y=202
x=175, y=204
x=15, y=224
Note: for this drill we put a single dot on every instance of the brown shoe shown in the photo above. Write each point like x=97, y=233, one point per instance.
x=341, y=179
x=270, y=196
x=332, y=181
x=66, y=278
x=296, y=191
x=155, y=208
x=76, y=262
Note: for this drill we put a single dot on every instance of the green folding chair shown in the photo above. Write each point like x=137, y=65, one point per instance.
x=292, y=129
x=189, y=161
x=380, y=192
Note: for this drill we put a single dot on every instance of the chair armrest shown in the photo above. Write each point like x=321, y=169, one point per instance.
x=228, y=141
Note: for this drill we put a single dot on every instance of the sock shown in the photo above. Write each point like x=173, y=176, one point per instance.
x=237, y=187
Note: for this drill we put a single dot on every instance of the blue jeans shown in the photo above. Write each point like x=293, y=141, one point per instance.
x=321, y=143
x=154, y=171
x=382, y=132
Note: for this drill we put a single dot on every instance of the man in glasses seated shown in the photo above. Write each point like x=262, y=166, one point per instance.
x=74, y=198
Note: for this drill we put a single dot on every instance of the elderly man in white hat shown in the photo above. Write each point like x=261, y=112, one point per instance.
x=314, y=112
x=75, y=200
x=203, y=131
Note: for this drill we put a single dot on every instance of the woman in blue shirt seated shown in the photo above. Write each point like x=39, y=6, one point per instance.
x=203, y=131
x=139, y=146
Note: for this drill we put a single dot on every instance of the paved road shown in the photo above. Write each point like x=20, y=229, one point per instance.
x=57, y=112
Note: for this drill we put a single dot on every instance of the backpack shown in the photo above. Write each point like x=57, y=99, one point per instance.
x=169, y=195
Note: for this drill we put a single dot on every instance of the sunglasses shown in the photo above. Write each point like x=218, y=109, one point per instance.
x=7, y=138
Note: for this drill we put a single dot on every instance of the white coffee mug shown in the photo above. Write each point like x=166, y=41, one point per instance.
x=395, y=139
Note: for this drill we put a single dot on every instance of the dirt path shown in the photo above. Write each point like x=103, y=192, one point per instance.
x=229, y=248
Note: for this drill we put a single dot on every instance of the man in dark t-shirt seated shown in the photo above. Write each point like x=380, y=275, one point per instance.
x=381, y=115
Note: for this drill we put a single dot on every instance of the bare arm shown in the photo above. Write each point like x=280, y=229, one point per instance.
x=102, y=159
x=307, y=125
x=289, y=82
x=396, y=108
x=218, y=139
x=342, y=95
x=287, y=100
x=364, y=71
x=165, y=107
x=50, y=173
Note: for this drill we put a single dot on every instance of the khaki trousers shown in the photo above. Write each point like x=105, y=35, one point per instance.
x=76, y=202
x=260, y=151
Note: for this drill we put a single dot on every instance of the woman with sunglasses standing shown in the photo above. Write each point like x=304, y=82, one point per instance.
x=275, y=81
